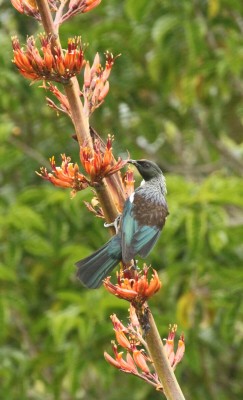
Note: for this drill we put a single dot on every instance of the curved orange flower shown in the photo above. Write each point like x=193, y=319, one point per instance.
x=99, y=164
x=137, y=361
x=28, y=7
x=137, y=289
x=69, y=10
x=49, y=63
x=129, y=182
x=174, y=357
x=96, y=84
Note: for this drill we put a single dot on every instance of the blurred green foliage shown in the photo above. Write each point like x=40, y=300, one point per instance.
x=176, y=97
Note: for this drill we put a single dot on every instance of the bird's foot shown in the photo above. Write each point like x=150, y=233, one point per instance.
x=129, y=271
x=143, y=317
x=135, y=265
x=115, y=223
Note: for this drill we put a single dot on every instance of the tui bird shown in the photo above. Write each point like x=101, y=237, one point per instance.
x=141, y=222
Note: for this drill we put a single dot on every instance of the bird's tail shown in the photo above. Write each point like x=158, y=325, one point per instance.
x=93, y=269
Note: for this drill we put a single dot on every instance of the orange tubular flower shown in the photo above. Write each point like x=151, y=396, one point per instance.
x=180, y=351
x=28, y=7
x=97, y=164
x=111, y=360
x=90, y=4
x=129, y=182
x=126, y=366
x=72, y=8
x=137, y=362
x=66, y=176
x=140, y=360
x=120, y=331
x=137, y=289
x=51, y=65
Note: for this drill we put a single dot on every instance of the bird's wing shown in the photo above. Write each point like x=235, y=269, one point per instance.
x=141, y=224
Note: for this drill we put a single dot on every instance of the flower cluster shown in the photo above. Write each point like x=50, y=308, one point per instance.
x=66, y=176
x=136, y=289
x=64, y=10
x=137, y=362
x=51, y=64
x=174, y=357
x=99, y=164
x=96, y=85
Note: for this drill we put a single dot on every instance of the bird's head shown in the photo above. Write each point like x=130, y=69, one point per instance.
x=147, y=169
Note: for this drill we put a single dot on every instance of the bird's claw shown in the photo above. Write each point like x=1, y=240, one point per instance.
x=115, y=223
x=135, y=265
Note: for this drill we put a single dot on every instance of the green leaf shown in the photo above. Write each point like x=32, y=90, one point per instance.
x=136, y=9
x=24, y=218
x=38, y=246
x=162, y=26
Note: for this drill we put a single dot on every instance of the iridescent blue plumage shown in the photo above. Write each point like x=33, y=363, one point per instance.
x=136, y=238
x=142, y=220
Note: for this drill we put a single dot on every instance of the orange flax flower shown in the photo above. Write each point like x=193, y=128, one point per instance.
x=120, y=331
x=137, y=361
x=66, y=176
x=129, y=182
x=127, y=365
x=140, y=360
x=49, y=64
x=28, y=7
x=72, y=8
x=137, y=289
x=100, y=164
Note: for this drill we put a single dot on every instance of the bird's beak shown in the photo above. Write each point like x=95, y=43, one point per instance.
x=134, y=162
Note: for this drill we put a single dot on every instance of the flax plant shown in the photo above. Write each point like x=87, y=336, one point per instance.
x=44, y=59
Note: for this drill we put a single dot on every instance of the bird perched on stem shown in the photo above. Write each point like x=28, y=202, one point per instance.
x=140, y=225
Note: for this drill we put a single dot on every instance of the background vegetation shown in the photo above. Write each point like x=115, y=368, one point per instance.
x=176, y=98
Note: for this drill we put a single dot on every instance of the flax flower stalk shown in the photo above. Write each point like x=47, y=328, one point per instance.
x=81, y=124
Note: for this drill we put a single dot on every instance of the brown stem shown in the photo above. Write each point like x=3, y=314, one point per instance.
x=72, y=90
x=60, y=12
x=46, y=18
x=107, y=203
x=81, y=123
x=162, y=366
